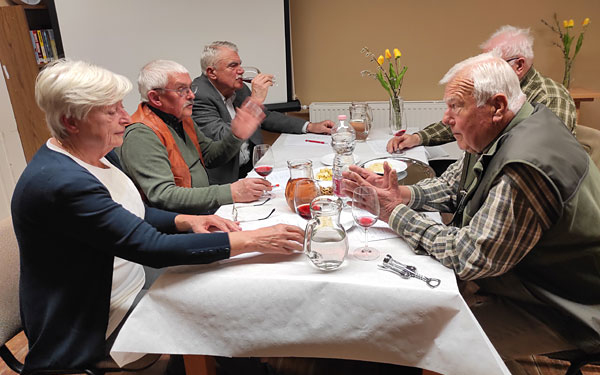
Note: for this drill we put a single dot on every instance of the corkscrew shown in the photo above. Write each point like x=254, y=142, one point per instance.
x=406, y=271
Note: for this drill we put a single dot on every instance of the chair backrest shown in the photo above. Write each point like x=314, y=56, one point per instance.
x=590, y=140
x=10, y=319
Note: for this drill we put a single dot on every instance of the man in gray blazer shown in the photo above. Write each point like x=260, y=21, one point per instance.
x=220, y=91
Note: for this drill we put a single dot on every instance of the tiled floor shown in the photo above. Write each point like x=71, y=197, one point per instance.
x=534, y=365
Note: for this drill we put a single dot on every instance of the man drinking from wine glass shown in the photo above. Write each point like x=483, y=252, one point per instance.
x=521, y=232
x=166, y=155
x=220, y=91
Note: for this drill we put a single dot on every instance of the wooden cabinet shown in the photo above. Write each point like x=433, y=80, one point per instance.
x=19, y=67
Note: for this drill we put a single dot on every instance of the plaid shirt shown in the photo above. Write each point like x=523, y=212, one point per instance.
x=538, y=89
x=520, y=206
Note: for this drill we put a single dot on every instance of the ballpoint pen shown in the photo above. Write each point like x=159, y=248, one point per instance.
x=313, y=141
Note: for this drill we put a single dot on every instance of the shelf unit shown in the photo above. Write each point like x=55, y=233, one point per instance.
x=18, y=64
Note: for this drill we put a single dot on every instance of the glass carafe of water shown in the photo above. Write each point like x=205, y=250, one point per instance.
x=325, y=240
x=361, y=119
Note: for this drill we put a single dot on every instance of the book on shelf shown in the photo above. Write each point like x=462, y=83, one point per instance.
x=53, y=44
x=44, y=45
x=36, y=46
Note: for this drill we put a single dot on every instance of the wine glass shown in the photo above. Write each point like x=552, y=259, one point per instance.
x=305, y=191
x=365, y=210
x=250, y=72
x=263, y=161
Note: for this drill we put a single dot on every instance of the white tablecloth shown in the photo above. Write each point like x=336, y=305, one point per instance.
x=270, y=305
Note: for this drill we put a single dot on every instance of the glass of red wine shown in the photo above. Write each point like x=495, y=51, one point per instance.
x=305, y=191
x=250, y=72
x=365, y=210
x=263, y=161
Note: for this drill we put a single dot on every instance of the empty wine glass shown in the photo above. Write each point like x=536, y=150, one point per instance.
x=365, y=210
x=263, y=161
x=250, y=72
x=305, y=191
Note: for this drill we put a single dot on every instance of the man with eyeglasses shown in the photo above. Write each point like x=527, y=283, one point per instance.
x=166, y=155
x=515, y=46
x=221, y=90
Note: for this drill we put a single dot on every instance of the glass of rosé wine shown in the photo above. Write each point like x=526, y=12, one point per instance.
x=365, y=210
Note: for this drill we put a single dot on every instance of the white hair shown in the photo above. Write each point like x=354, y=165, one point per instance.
x=155, y=75
x=490, y=75
x=210, y=54
x=73, y=88
x=509, y=41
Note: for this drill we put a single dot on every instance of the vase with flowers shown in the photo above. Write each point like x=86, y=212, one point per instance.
x=390, y=76
x=567, y=39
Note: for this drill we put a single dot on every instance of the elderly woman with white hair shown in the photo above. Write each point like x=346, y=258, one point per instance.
x=84, y=232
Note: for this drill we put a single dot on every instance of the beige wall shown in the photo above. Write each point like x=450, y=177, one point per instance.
x=327, y=36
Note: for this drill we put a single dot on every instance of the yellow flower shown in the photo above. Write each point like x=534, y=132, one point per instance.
x=380, y=60
x=397, y=53
x=571, y=23
x=565, y=24
x=388, y=55
x=586, y=21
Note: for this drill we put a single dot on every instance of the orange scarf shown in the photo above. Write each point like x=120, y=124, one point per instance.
x=180, y=169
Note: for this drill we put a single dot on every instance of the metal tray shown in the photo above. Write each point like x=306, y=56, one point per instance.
x=415, y=172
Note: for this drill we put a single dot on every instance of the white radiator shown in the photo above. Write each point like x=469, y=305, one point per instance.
x=417, y=114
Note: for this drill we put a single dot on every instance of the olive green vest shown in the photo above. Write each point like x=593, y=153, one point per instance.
x=563, y=269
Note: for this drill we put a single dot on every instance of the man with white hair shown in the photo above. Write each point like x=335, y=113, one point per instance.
x=515, y=46
x=220, y=91
x=523, y=198
x=166, y=155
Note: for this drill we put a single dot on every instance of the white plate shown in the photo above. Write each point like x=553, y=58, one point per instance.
x=328, y=159
x=396, y=164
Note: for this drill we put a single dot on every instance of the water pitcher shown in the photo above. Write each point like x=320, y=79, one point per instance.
x=325, y=240
x=361, y=119
x=299, y=169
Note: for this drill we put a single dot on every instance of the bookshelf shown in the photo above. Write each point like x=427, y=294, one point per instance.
x=20, y=69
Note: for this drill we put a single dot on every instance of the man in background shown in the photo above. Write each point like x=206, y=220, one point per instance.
x=166, y=155
x=220, y=91
x=515, y=46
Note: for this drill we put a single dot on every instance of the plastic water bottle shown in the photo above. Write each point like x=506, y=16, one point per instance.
x=343, y=141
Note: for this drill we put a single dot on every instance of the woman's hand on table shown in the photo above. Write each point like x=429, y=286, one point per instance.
x=249, y=189
x=402, y=142
x=276, y=239
x=389, y=193
x=205, y=224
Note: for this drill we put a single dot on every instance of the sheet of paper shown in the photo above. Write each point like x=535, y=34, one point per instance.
x=379, y=231
x=278, y=178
